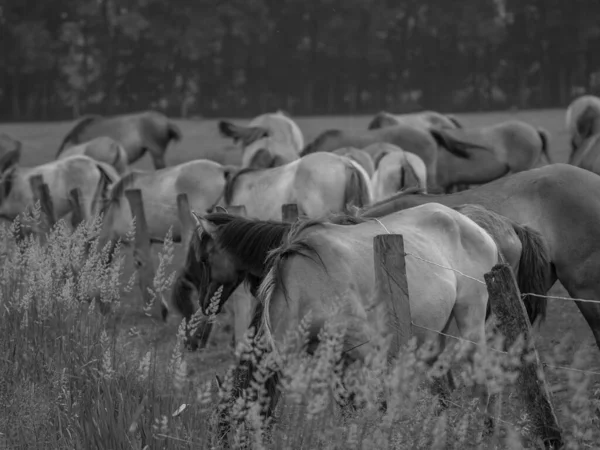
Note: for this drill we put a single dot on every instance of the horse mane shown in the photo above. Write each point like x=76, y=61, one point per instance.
x=232, y=179
x=319, y=140
x=83, y=123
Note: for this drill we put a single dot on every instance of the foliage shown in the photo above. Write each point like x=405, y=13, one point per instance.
x=211, y=57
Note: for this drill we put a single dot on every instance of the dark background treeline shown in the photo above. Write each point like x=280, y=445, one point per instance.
x=63, y=58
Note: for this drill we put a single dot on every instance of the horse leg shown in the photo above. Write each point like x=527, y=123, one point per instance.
x=440, y=386
x=158, y=158
x=242, y=303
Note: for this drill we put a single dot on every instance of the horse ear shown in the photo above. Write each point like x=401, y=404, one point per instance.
x=10, y=159
x=221, y=209
x=206, y=225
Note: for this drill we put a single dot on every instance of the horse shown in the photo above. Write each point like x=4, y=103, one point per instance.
x=8, y=143
x=582, y=120
x=424, y=119
x=559, y=201
x=318, y=184
x=358, y=156
x=61, y=176
x=513, y=146
x=221, y=257
x=436, y=152
x=104, y=149
x=138, y=133
x=396, y=170
x=269, y=140
x=327, y=270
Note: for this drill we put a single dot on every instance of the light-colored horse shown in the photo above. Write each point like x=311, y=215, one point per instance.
x=398, y=170
x=104, y=149
x=138, y=133
x=326, y=270
x=561, y=202
x=202, y=180
x=438, y=153
x=269, y=140
x=319, y=184
x=582, y=120
x=512, y=146
x=91, y=177
x=358, y=156
x=424, y=119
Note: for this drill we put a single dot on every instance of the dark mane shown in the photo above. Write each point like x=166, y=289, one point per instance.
x=248, y=239
x=120, y=186
x=414, y=190
x=232, y=179
x=73, y=134
x=318, y=141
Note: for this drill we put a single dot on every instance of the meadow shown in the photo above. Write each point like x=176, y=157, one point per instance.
x=74, y=379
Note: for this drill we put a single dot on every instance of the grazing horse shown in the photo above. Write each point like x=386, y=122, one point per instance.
x=138, y=133
x=327, y=270
x=269, y=140
x=8, y=143
x=61, y=176
x=319, y=184
x=396, y=170
x=561, y=202
x=202, y=180
x=228, y=251
x=582, y=120
x=104, y=149
x=424, y=119
x=431, y=146
x=358, y=156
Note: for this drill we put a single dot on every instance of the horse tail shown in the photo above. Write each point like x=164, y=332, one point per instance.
x=246, y=134
x=108, y=177
x=454, y=145
x=534, y=266
x=357, y=190
x=377, y=121
x=408, y=175
x=83, y=123
x=545, y=138
x=173, y=132
x=455, y=121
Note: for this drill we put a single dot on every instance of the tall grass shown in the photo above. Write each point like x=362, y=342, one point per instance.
x=71, y=379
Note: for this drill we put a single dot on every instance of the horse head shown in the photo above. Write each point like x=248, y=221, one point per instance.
x=587, y=125
x=8, y=166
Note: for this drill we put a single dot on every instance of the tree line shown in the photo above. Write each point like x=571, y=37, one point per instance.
x=64, y=58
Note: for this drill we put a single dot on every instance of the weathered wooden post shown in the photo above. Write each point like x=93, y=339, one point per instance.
x=41, y=193
x=512, y=321
x=289, y=212
x=392, y=287
x=186, y=221
x=142, y=254
x=76, y=207
x=237, y=210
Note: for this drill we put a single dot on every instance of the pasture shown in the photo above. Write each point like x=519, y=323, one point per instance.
x=134, y=331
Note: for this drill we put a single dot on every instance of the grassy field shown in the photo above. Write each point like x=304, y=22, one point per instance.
x=134, y=330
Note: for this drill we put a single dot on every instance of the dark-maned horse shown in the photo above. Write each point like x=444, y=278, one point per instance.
x=424, y=119
x=559, y=201
x=327, y=270
x=269, y=140
x=436, y=152
x=138, y=133
x=582, y=120
x=104, y=149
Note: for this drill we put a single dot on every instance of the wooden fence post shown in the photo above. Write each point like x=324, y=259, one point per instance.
x=289, y=212
x=512, y=321
x=142, y=255
x=41, y=193
x=186, y=221
x=76, y=207
x=237, y=210
x=392, y=287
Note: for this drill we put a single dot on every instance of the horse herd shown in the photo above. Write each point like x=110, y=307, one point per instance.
x=349, y=185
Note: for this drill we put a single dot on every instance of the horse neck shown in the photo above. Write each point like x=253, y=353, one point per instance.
x=398, y=203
